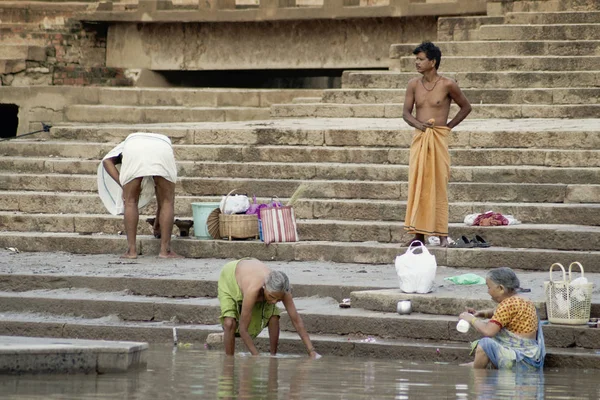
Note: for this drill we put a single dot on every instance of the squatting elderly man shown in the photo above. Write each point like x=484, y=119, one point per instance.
x=248, y=293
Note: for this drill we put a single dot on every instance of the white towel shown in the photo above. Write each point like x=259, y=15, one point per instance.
x=145, y=151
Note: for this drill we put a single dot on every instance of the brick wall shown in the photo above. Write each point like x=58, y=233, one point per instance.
x=75, y=54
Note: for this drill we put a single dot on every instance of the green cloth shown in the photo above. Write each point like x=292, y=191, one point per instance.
x=230, y=298
x=466, y=279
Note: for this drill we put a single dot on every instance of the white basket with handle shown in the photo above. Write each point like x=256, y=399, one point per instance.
x=568, y=302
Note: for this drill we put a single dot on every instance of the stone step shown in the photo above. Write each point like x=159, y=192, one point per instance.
x=463, y=27
x=175, y=285
x=332, y=133
x=390, y=325
x=546, y=236
x=92, y=304
x=306, y=99
x=447, y=303
x=19, y=52
x=201, y=97
x=338, y=171
x=30, y=156
x=339, y=252
x=289, y=343
x=394, y=110
x=506, y=63
x=499, y=8
x=341, y=189
x=476, y=80
x=550, y=18
x=340, y=209
x=39, y=355
x=540, y=32
x=505, y=48
x=138, y=114
x=354, y=321
x=475, y=96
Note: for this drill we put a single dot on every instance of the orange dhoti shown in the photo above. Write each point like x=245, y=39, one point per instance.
x=428, y=175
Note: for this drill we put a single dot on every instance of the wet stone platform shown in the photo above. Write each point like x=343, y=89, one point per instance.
x=22, y=355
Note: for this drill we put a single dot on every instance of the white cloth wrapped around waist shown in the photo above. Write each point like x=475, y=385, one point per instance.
x=142, y=154
x=147, y=154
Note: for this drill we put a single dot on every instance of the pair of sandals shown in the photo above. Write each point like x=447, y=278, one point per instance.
x=465, y=243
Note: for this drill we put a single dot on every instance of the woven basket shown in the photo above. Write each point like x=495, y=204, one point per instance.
x=565, y=303
x=237, y=226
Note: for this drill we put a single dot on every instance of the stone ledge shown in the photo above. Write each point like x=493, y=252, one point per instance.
x=42, y=355
x=277, y=11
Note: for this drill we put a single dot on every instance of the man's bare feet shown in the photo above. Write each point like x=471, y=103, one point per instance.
x=129, y=256
x=467, y=364
x=170, y=254
x=443, y=241
x=418, y=237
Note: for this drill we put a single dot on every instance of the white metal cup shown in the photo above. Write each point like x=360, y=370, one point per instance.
x=462, y=326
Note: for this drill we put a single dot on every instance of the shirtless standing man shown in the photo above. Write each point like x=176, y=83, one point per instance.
x=429, y=167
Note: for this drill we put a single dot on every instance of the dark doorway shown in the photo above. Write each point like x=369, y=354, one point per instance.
x=257, y=79
x=9, y=120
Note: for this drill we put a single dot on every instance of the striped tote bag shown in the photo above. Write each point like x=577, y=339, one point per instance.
x=278, y=224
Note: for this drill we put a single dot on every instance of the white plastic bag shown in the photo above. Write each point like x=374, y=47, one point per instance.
x=416, y=272
x=235, y=204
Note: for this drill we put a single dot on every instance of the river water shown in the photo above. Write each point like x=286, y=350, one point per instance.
x=189, y=373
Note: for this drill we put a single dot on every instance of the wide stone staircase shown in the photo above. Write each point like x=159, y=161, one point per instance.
x=543, y=171
x=114, y=302
x=541, y=64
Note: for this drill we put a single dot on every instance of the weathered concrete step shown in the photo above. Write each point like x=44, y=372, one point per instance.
x=476, y=80
x=559, y=237
x=328, y=133
x=491, y=169
x=507, y=63
x=58, y=326
x=327, y=345
x=20, y=52
x=553, y=237
x=134, y=114
x=23, y=355
x=546, y=18
x=475, y=96
x=341, y=189
x=91, y=304
x=341, y=209
x=325, y=319
x=30, y=156
x=306, y=99
x=463, y=27
x=365, y=253
x=506, y=48
x=200, y=97
x=390, y=110
x=542, y=6
x=315, y=311
x=168, y=286
x=561, y=31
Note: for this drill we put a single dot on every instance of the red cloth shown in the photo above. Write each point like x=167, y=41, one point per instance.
x=490, y=219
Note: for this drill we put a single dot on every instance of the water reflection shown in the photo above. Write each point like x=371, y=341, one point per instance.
x=200, y=374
